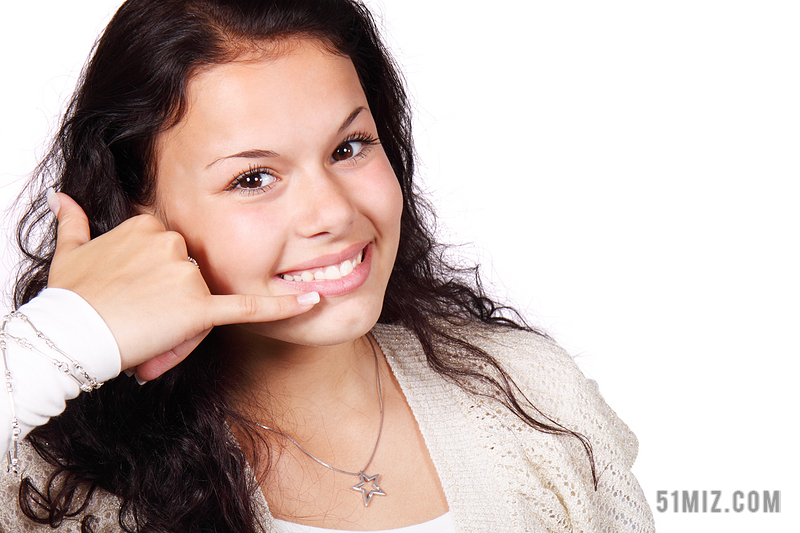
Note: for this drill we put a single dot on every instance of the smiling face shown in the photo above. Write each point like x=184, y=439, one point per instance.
x=278, y=182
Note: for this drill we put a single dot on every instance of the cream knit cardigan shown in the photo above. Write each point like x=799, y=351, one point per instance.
x=498, y=474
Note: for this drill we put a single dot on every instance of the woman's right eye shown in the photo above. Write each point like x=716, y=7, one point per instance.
x=254, y=181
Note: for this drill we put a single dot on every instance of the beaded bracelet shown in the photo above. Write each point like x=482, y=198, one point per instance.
x=70, y=367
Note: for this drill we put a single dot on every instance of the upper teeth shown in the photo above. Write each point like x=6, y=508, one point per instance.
x=329, y=272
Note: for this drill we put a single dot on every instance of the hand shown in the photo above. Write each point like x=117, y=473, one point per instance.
x=140, y=281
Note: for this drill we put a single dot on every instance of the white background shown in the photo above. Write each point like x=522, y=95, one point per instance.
x=628, y=174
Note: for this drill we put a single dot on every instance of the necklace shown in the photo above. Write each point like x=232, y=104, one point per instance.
x=362, y=476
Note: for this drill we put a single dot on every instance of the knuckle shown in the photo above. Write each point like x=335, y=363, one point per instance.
x=172, y=240
x=249, y=305
x=282, y=307
x=146, y=222
x=173, y=237
x=70, y=220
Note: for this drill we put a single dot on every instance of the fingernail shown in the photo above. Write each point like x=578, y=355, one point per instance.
x=128, y=372
x=139, y=380
x=308, y=298
x=52, y=201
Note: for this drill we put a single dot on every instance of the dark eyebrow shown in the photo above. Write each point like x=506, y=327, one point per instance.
x=252, y=154
x=350, y=118
x=256, y=154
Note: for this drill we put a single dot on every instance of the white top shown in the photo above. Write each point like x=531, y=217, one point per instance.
x=497, y=473
x=443, y=524
x=40, y=390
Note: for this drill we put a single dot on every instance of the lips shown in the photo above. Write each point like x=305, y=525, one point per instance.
x=329, y=272
x=333, y=274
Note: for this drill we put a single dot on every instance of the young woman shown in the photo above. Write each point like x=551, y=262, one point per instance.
x=236, y=227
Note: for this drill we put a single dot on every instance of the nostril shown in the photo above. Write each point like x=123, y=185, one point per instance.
x=328, y=217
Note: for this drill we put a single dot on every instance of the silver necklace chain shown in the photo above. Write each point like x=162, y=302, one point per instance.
x=364, y=478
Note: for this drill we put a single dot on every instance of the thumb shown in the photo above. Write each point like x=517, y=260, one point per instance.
x=73, y=226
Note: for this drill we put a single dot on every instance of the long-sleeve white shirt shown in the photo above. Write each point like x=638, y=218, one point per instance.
x=40, y=391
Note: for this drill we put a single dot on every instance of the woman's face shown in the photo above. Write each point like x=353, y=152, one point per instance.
x=277, y=182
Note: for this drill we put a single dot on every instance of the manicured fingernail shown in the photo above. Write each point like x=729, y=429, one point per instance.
x=309, y=298
x=52, y=201
x=128, y=372
x=139, y=380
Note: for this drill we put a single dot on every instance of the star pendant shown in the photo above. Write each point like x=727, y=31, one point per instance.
x=368, y=495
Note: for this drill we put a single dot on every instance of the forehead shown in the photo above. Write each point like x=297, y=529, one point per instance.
x=295, y=63
x=258, y=98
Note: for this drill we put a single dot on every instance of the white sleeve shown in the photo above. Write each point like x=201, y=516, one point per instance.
x=40, y=391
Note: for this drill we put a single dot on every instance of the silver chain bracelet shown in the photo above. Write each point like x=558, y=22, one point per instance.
x=70, y=367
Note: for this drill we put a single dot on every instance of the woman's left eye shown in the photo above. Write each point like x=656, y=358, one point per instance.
x=347, y=150
x=353, y=148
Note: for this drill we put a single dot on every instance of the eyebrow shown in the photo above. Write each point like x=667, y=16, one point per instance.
x=249, y=154
x=350, y=118
x=257, y=154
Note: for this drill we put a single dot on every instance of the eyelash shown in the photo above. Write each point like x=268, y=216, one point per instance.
x=254, y=171
x=362, y=137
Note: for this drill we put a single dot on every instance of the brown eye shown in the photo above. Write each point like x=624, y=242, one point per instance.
x=347, y=150
x=254, y=180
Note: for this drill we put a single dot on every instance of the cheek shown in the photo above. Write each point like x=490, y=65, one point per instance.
x=383, y=200
x=235, y=252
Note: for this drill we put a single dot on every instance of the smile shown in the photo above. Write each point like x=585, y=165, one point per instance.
x=332, y=275
x=330, y=272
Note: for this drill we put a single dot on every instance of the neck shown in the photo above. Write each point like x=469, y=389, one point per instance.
x=296, y=387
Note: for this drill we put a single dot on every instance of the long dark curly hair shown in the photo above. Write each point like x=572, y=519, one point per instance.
x=166, y=449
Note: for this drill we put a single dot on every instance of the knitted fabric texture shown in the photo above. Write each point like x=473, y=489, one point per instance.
x=498, y=473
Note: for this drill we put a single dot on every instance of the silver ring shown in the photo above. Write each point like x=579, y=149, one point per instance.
x=192, y=261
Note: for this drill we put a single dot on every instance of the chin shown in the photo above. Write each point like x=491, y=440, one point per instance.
x=327, y=324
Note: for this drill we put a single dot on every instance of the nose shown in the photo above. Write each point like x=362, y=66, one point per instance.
x=324, y=207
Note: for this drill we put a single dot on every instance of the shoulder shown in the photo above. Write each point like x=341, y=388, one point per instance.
x=551, y=381
x=529, y=355
x=546, y=375
x=545, y=478
x=103, y=506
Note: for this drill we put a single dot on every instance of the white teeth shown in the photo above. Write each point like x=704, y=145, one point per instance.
x=331, y=272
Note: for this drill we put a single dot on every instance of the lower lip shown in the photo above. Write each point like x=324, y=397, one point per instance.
x=335, y=287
